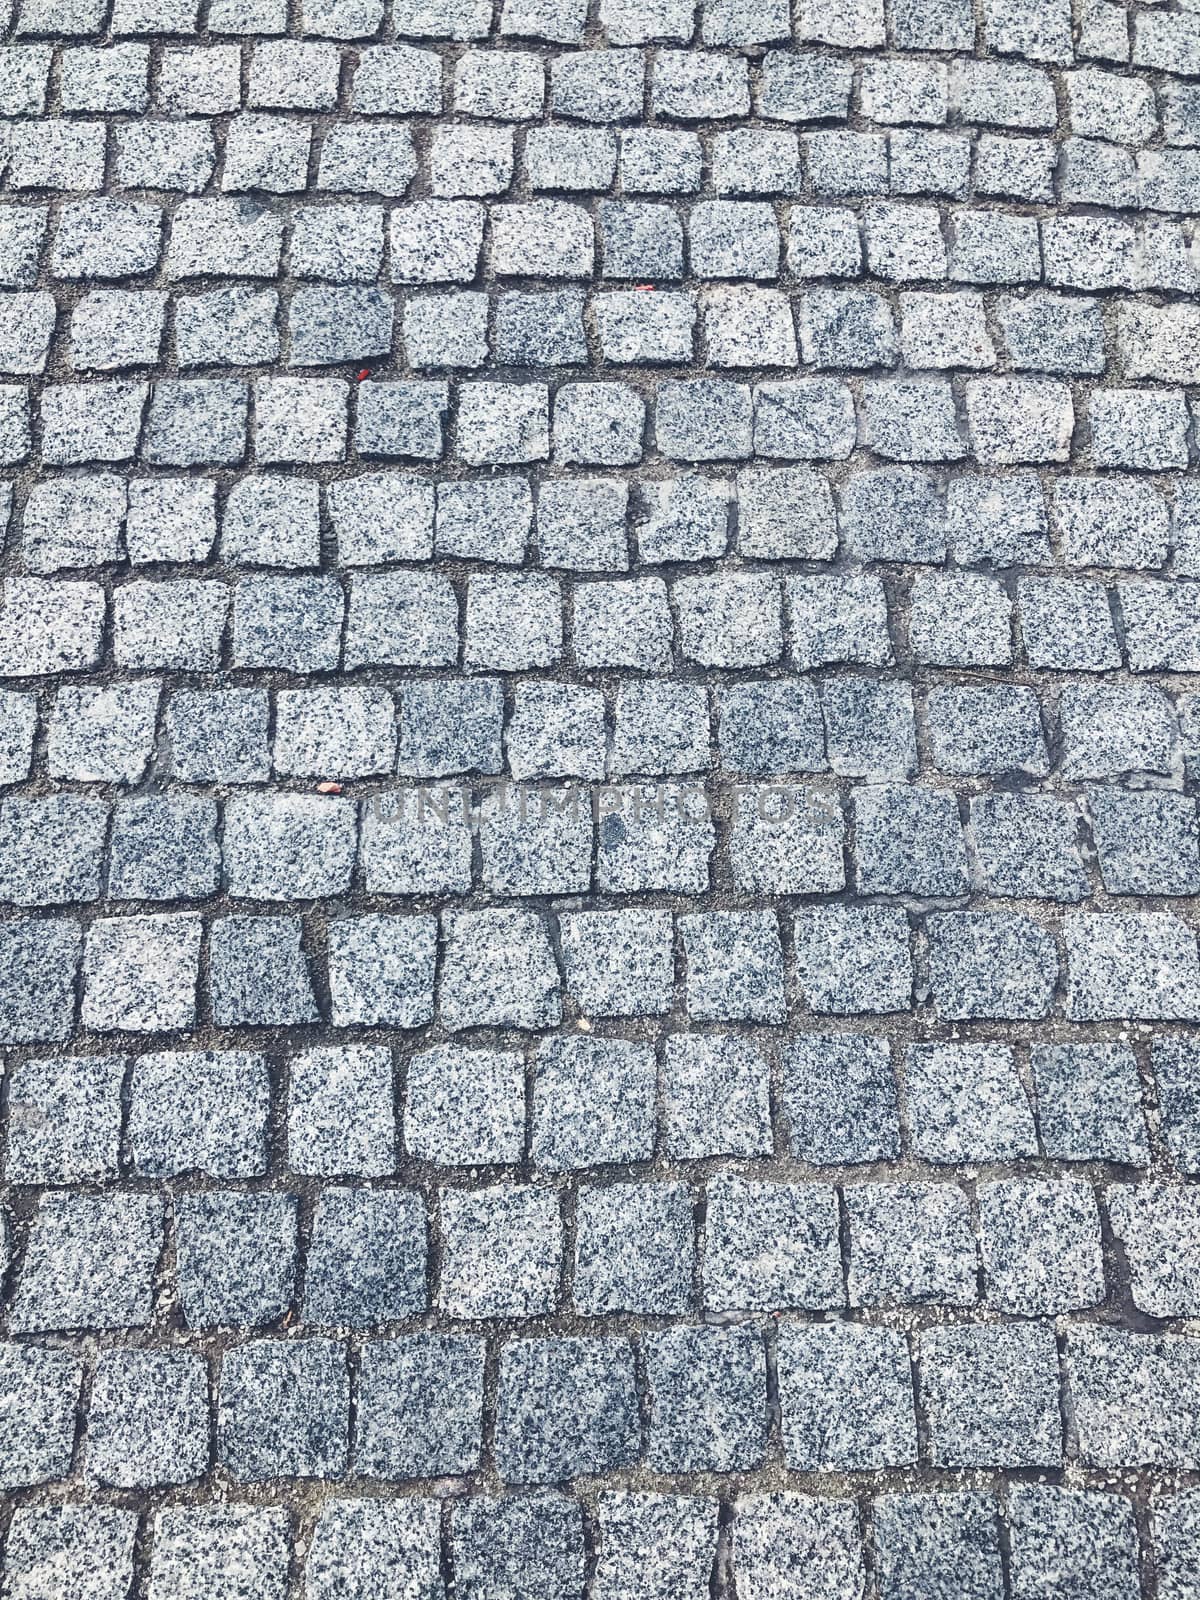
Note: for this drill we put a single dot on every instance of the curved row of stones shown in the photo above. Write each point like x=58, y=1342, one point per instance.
x=598, y=843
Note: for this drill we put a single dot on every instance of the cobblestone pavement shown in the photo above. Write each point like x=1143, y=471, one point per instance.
x=599, y=855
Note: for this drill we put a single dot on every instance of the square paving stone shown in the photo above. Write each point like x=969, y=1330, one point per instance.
x=1041, y=1246
x=777, y=1536
x=210, y=1552
x=465, y=1107
x=938, y=1545
x=991, y=1395
x=364, y=1546
x=565, y=1408
x=839, y=1097
x=501, y=1252
x=40, y=1389
x=284, y=1410
x=655, y=1546
x=420, y=1407
x=527, y=1547
x=846, y=1396
x=716, y=1097
x=634, y=1249
x=237, y=1256
x=73, y=1552
x=366, y=1262
x=910, y=1244
x=64, y=1120
x=148, y=1419
x=966, y=1102
x=593, y=1103
x=708, y=1395
x=771, y=1246
x=90, y=1263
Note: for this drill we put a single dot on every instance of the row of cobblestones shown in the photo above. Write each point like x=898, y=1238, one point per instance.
x=599, y=742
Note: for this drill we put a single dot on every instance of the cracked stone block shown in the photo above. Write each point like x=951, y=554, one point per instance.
x=340, y=1112
x=565, y=1407
x=634, y=1249
x=465, y=1107
x=593, y=1103
x=284, y=1410
x=966, y=1103
x=910, y=1244
x=420, y=1407
x=502, y=1248
x=716, y=1097
x=839, y=1097
x=148, y=1418
x=1041, y=1246
x=847, y=1398
x=366, y=1262
x=991, y=1395
x=204, y=1111
x=708, y=1399
x=90, y=1263
x=771, y=1245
